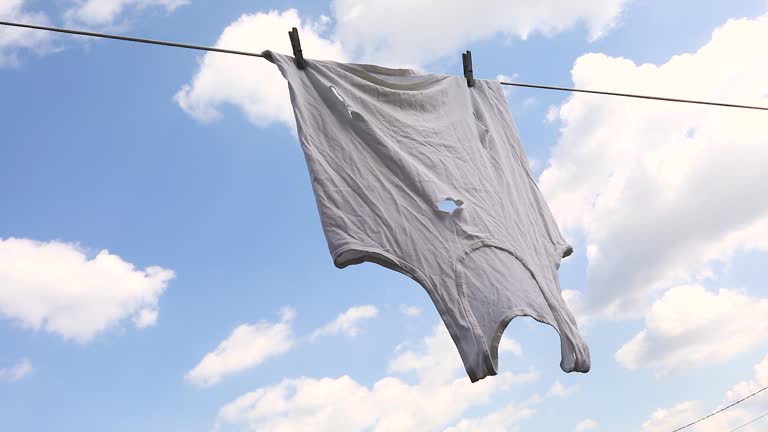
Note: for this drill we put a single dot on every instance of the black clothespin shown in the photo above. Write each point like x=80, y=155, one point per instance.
x=466, y=58
x=296, y=44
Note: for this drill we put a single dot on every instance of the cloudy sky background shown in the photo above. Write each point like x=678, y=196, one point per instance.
x=162, y=265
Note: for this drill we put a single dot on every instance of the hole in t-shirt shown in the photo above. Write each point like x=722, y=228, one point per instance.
x=336, y=93
x=449, y=205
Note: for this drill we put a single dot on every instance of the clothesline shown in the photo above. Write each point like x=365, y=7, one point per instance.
x=251, y=54
x=749, y=422
x=723, y=409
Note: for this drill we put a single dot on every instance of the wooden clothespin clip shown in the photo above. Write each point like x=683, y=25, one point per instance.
x=296, y=45
x=466, y=58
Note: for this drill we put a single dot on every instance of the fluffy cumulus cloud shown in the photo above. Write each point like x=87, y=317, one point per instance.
x=662, y=192
x=586, y=425
x=16, y=372
x=410, y=311
x=437, y=399
x=246, y=347
x=55, y=286
x=253, y=85
x=664, y=420
x=691, y=326
x=15, y=40
x=746, y=388
x=78, y=13
x=559, y=390
x=347, y=322
x=505, y=419
x=393, y=31
x=388, y=32
x=436, y=363
x=509, y=417
x=104, y=13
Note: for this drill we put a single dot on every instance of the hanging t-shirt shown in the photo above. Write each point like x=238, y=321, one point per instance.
x=426, y=176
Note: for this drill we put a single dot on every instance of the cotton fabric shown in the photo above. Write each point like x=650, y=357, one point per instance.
x=385, y=148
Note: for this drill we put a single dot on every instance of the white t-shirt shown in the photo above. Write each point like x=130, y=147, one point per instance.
x=384, y=148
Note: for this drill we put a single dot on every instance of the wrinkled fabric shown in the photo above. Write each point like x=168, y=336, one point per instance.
x=386, y=150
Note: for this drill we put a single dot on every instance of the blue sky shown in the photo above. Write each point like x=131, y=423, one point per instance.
x=163, y=268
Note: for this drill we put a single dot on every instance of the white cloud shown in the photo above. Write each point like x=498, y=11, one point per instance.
x=533, y=163
x=530, y=101
x=393, y=31
x=95, y=13
x=252, y=84
x=559, y=390
x=506, y=78
x=746, y=388
x=14, y=40
x=332, y=404
x=650, y=184
x=246, y=347
x=378, y=31
x=347, y=322
x=145, y=318
x=507, y=418
x=691, y=326
x=16, y=372
x=104, y=13
x=287, y=314
x=663, y=420
x=510, y=345
x=56, y=287
x=585, y=425
x=437, y=362
x=552, y=114
x=410, y=311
